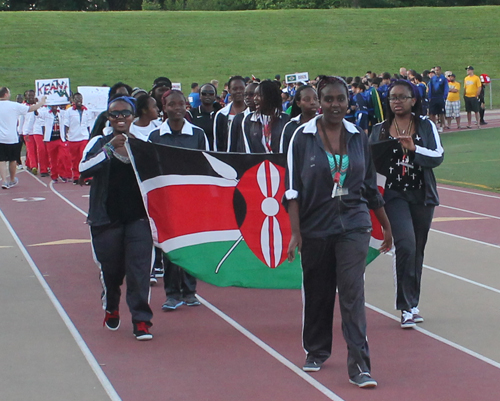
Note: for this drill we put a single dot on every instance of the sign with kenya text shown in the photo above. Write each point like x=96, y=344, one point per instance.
x=218, y=215
x=57, y=90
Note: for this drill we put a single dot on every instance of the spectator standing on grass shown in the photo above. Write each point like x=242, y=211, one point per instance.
x=472, y=91
x=410, y=190
x=437, y=93
x=194, y=96
x=453, y=101
x=225, y=116
x=330, y=186
x=179, y=285
x=119, y=225
x=78, y=121
x=9, y=139
x=203, y=116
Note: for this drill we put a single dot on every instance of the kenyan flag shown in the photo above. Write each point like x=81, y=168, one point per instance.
x=219, y=215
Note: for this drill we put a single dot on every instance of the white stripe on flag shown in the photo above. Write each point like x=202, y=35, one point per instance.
x=199, y=238
x=173, y=179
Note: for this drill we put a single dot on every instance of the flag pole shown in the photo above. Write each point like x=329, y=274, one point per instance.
x=228, y=253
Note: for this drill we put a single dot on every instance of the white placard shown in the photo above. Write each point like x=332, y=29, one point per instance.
x=297, y=77
x=177, y=86
x=57, y=90
x=95, y=98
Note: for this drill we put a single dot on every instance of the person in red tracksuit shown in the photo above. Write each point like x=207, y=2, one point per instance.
x=77, y=125
x=55, y=145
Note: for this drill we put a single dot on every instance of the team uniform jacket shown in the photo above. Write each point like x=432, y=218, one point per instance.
x=253, y=138
x=427, y=156
x=190, y=137
x=309, y=181
x=286, y=135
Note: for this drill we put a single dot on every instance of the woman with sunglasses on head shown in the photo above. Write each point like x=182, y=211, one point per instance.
x=305, y=105
x=119, y=226
x=203, y=115
x=330, y=187
x=410, y=190
x=180, y=286
x=262, y=129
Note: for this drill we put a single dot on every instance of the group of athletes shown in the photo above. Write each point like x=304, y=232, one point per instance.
x=331, y=184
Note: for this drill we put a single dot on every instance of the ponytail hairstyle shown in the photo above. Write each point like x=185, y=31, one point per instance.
x=416, y=109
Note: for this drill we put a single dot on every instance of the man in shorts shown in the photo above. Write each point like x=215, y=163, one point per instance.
x=9, y=139
x=437, y=92
x=452, y=105
x=472, y=90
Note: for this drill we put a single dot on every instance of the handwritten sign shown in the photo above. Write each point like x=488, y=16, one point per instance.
x=297, y=77
x=95, y=98
x=56, y=90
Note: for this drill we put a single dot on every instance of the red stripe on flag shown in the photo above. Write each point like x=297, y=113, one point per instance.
x=187, y=209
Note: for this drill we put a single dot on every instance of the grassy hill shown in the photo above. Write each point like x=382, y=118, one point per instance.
x=136, y=47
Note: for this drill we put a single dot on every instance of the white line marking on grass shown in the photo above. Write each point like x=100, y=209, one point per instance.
x=469, y=192
x=108, y=387
x=67, y=200
x=470, y=211
x=271, y=351
x=439, y=338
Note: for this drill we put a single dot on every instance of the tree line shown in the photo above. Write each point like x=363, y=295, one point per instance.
x=223, y=5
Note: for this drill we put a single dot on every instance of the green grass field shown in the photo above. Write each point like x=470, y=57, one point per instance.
x=136, y=47
x=471, y=159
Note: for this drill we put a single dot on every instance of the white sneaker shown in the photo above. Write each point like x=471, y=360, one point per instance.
x=407, y=321
x=416, y=317
x=14, y=183
x=440, y=130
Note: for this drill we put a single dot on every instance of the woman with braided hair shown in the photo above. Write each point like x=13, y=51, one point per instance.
x=410, y=191
x=330, y=187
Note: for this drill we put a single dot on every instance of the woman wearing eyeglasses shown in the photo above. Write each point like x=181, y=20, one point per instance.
x=203, y=115
x=119, y=227
x=411, y=149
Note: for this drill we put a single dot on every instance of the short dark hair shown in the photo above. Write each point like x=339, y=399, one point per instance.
x=3, y=91
x=115, y=87
x=141, y=104
x=386, y=75
x=194, y=85
x=235, y=78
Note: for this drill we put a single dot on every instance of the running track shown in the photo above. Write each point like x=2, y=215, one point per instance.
x=245, y=344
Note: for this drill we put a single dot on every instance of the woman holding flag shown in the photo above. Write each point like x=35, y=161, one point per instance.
x=330, y=187
x=406, y=147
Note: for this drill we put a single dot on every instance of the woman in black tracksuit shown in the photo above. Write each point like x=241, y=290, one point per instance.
x=330, y=187
x=119, y=226
x=410, y=191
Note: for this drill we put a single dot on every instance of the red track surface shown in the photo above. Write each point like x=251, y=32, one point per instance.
x=195, y=355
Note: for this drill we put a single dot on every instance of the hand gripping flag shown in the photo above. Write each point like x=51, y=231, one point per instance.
x=218, y=215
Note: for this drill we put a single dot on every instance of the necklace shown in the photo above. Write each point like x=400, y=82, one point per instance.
x=338, y=167
x=404, y=134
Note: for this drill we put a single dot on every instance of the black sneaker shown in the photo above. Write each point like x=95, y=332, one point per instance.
x=112, y=320
x=152, y=279
x=363, y=380
x=416, y=317
x=141, y=331
x=311, y=365
x=171, y=304
x=191, y=300
x=407, y=321
x=158, y=271
x=44, y=175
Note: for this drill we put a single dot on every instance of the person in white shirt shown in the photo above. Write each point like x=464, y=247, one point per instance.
x=9, y=139
x=77, y=125
x=147, y=117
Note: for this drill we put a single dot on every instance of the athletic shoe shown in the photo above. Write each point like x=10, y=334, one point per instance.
x=363, y=380
x=55, y=181
x=112, y=320
x=171, y=304
x=416, y=317
x=152, y=279
x=311, y=365
x=63, y=179
x=141, y=331
x=5, y=185
x=191, y=300
x=34, y=171
x=483, y=123
x=440, y=130
x=159, y=272
x=75, y=182
x=44, y=175
x=14, y=183
x=407, y=321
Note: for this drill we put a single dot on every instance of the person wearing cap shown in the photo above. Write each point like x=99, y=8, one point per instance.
x=452, y=106
x=160, y=86
x=138, y=92
x=437, y=94
x=472, y=90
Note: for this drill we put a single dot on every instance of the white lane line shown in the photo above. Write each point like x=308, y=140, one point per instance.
x=108, y=387
x=466, y=239
x=439, y=338
x=471, y=212
x=67, y=200
x=468, y=192
x=271, y=351
x=35, y=177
